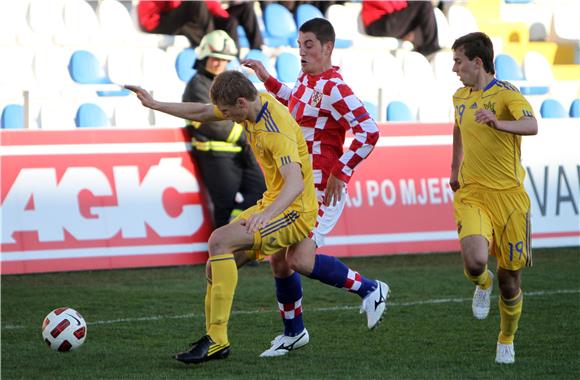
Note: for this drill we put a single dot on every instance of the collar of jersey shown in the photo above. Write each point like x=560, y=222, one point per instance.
x=261, y=113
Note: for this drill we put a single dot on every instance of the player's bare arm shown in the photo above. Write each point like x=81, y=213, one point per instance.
x=293, y=186
x=191, y=111
x=456, y=159
x=333, y=191
x=258, y=68
x=523, y=126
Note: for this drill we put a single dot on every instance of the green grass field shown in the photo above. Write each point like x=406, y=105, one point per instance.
x=138, y=318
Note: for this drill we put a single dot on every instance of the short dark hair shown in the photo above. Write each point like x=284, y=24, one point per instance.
x=322, y=29
x=477, y=44
x=228, y=86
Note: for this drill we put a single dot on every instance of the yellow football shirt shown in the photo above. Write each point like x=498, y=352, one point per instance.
x=277, y=140
x=491, y=158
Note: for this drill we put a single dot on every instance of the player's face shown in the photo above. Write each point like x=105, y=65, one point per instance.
x=314, y=56
x=464, y=68
x=216, y=66
x=237, y=112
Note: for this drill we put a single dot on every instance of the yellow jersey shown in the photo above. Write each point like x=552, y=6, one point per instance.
x=491, y=158
x=277, y=140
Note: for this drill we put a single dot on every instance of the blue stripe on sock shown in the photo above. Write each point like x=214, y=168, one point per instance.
x=289, y=290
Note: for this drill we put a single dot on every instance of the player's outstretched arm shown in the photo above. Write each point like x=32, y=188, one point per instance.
x=191, y=111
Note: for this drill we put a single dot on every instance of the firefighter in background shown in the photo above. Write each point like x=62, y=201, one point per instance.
x=225, y=160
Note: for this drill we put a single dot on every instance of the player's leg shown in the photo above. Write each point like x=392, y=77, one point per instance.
x=513, y=254
x=289, y=297
x=224, y=276
x=475, y=233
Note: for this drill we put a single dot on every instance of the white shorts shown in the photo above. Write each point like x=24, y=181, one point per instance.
x=326, y=220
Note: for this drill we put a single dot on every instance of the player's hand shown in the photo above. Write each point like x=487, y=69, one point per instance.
x=258, y=68
x=257, y=221
x=454, y=182
x=486, y=117
x=144, y=96
x=334, y=191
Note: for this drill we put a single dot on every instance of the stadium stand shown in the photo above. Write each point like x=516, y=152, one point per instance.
x=76, y=49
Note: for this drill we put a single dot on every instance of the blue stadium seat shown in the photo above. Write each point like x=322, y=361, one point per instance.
x=306, y=12
x=399, y=111
x=287, y=67
x=280, y=26
x=91, y=115
x=84, y=68
x=552, y=109
x=184, y=64
x=243, y=39
x=575, y=108
x=372, y=109
x=506, y=68
x=12, y=117
x=260, y=56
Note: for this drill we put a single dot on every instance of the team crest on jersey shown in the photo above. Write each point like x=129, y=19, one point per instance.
x=473, y=106
x=315, y=99
x=490, y=106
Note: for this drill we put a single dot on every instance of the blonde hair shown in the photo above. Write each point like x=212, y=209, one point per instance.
x=229, y=86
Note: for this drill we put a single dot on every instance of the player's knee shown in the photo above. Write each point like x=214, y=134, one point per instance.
x=217, y=243
x=475, y=267
x=280, y=266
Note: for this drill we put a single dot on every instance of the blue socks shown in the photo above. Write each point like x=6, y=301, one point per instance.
x=289, y=295
x=331, y=271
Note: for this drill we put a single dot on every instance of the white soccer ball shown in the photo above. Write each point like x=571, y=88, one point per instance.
x=64, y=329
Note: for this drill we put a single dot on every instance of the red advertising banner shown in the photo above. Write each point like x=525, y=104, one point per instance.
x=112, y=198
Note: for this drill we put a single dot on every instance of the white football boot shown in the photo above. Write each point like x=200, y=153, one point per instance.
x=505, y=354
x=481, y=299
x=282, y=344
x=375, y=304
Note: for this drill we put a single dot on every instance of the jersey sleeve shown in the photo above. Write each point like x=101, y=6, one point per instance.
x=518, y=105
x=280, y=91
x=349, y=111
x=283, y=149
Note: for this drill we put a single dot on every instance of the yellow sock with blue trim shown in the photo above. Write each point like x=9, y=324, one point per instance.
x=224, y=282
x=510, y=312
x=483, y=280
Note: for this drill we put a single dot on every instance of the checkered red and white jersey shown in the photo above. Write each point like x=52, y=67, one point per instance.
x=326, y=108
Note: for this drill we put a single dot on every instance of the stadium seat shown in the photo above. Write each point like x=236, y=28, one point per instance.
x=50, y=67
x=158, y=68
x=345, y=23
x=575, y=108
x=243, y=39
x=372, y=109
x=506, y=68
x=552, y=109
x=280, y=28
x=399, y=111
x=116, y=26
x=443, y=29
x=306, y=12
x=184, y=64
x=85, y=68
x=13, y=117
x=57, y=114
x=124, y=66
x=538, y=72
x=260, y=56
x=44, y=17
x=287, y=67
x=91, y=115
x=461, y=21
x=566, y=20
x=517, y=1
x=80, y=24
x=131, y=114
x=16, y=67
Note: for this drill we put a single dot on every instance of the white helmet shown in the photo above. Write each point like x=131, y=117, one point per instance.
x=217, y=44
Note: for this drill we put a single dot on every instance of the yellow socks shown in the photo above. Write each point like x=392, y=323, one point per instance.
x=207, y=304
x=223, y=287
x=510, y=312
x=484, y=280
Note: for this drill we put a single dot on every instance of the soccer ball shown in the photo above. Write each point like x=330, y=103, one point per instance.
x=64, y=329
